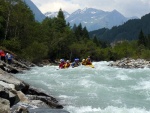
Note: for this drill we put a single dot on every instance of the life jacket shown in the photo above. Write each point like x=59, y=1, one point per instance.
x=61, y=65
x=2, y=53
x=9, y=56
x=84, y=62
x=88, y=61
x=67, y=65
x=75, y=64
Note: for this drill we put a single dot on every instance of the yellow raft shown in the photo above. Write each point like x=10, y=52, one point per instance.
x=92, y=66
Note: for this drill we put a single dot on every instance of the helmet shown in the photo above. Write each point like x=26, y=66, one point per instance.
x=76, y=59
x=88, y=59
x=62, y=60
x=83, y=60
x=68, y=61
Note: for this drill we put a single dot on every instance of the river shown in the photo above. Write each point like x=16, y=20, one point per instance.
x=102, y=89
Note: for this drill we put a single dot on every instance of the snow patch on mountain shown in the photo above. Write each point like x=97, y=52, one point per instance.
x=92, y=18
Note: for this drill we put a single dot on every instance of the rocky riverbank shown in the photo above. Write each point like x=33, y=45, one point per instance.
x=16, y=96
x=131, y=63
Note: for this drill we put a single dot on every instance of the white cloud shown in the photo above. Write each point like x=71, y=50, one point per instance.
x=126, y=7
x=51, y=5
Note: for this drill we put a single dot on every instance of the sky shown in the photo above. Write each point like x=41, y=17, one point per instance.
x=129, y=8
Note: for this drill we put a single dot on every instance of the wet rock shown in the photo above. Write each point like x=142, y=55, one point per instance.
x=48, y=100
x=39, y=110
x=34, y=91
x=34, y=109
x=21, y=109
x=30, y=105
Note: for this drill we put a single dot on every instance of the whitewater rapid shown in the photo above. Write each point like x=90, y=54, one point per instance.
x=102, y=89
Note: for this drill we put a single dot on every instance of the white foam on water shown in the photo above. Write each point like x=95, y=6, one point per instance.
x=143, y=85
x=109, y=109
x=122, y=76
x=85, y=83
x=102, y=89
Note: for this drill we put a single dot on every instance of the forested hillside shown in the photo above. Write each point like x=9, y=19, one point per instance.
x=128, y=31
x=53, y=38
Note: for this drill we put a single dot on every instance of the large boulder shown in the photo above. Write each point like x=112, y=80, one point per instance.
x=10, y=79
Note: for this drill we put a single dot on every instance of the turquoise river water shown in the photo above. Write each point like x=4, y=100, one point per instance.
x=102, y=89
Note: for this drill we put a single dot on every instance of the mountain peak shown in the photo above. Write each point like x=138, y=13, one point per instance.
x=93, y=18
x=85, y=9
x=114, y=11
x=54, y=14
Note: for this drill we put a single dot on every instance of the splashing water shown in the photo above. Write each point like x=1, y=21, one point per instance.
x=102, y=89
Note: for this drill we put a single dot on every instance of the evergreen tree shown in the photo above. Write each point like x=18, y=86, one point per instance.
x=85, y=33
x=142, y=39
x=60, y=22
x=74, y=28
x=96, y=41
x=78, y=32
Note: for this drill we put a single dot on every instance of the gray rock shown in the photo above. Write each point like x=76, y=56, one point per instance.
x=17, y=94
x=9, y=68
x=20, y=109
x=39, y=110
x=10, y=79
x=34, y=91
x=21, y=65
x=13, y=98
x=7, y=85
x=48, y=100
x=131, y=63
x=30, y=105
x=4, y=106
x=4, y=92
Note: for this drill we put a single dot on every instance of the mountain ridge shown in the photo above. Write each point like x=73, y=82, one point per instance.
x=94, y=18
x=127, y=31
x=39, y=16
